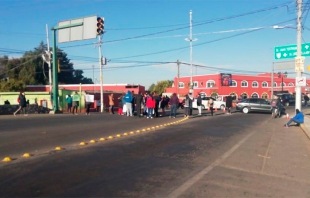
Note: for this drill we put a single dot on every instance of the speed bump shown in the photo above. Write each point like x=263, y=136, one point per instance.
x=132, y=132
x=118, y=135
x=58, y=148
x=26, y=155
x=7, y=159
x=157, y=126
x=102, y=139
x=82, y=143
x=138, y=131
x=153, y=127
x=125, y=134
x=92, y=141
x=143, y=130
x=110, y=137
x=148, y=129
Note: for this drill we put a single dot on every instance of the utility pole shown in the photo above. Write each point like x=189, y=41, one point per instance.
x=299, y=60
x=93, y=78
x=178, y=63
x=190, y=39
x=49, y=60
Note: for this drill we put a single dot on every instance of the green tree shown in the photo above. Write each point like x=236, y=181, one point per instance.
x=30, y=69
x=161, y=86
x=151, y=88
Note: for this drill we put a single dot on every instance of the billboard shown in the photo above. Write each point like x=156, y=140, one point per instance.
x=226, y=79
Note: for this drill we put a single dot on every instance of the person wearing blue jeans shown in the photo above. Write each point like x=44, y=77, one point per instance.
x=173, y=109
x=298, y=118
x=174, y=102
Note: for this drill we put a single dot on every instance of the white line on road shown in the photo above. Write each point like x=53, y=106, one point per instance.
x=184, y=187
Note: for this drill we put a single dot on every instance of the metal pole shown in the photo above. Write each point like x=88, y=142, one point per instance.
x=100, y=66
x=55, y=75
x=178, y=63
x=191, y=50
x=49, y=61
x=298, y=57
x=282, y=83
x=272, y=80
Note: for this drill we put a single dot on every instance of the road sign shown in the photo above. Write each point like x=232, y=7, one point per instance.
x=301, y=81
x=299, y=64
x=290, y=51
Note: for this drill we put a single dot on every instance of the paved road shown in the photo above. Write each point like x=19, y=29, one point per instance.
x=229, y=155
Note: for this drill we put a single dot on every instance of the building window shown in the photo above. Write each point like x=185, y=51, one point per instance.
x=254, y=84
x=181, y=85
x=210, y=83
x=244, y=84
x=195, y=84
x=291, y=84
x=254, y=95
x=265, y=84
x=275, y=84
x=283, y=84
x=265, y=95
x=233, y=83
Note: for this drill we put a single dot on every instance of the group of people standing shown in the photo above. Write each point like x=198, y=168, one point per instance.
x=145, y=105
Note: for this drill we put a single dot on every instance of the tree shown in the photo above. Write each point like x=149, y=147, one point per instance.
x=30, y=69
x=151, y=88
x=161, y=86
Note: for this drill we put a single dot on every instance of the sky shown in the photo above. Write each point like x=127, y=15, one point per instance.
x=143, y=39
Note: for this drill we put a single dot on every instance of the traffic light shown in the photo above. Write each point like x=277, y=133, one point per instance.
x=100, y=25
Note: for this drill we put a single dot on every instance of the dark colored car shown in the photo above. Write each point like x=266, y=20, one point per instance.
x=255, y=105
x=287, y=99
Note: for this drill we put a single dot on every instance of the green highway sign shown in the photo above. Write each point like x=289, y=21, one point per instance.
x=290, y=51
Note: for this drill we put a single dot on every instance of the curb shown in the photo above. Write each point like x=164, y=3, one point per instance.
x=307, y=132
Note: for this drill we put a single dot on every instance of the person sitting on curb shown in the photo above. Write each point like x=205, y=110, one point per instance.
x=298, y=118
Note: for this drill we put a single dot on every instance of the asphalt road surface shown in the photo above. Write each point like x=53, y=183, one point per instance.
x=167, y=161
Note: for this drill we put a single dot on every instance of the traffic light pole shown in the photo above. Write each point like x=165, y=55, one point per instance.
x=55, y=70
x=101, y=78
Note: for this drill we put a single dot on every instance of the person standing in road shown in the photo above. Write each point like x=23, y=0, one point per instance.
x=229, y=104
x=111, y=103
x=22, y=104
x=69, y=103
x=190, y=107
x=174, y=102
x=76, y=102
x=199, y=101
x=306, y=99
x=186, y=105
x=88, y=101
x=133, y=105
x=210, y=102
x=163, y=105
x=298, y=119
x=128, y=101
x=150, y=103
x=120, y=104
x=138, y=104
x=157, y=100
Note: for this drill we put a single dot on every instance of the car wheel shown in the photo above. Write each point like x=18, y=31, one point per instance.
x=245, y=110
x=203, y=107
x=222, y=107
x=287, y=104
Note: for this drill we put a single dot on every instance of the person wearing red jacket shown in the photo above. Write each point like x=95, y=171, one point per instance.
x=150, y=104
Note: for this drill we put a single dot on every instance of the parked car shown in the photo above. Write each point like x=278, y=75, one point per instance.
x=287, y=99
x=255, y=105
x=204, y=100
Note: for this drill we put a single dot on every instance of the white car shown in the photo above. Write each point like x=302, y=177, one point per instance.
x=204, y=100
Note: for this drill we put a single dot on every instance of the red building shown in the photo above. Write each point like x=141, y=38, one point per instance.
x=236, y=84
x=91, y=87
